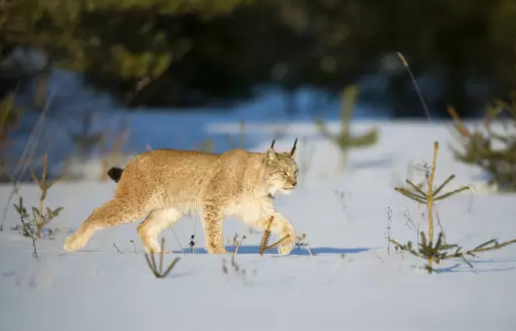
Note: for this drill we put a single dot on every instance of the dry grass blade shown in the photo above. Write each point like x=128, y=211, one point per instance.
x=151, y=262
x=266, y=236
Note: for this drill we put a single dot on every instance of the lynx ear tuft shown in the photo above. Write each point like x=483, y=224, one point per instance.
x=293, y=151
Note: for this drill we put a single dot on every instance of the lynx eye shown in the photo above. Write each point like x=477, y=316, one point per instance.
x=296, y=172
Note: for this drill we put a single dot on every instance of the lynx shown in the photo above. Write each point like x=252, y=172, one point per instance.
x=164, y=185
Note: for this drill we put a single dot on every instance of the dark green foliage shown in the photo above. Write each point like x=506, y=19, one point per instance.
x=193, y=53
x=151, y=262
x=494, y=152
x=416, y=193
x=28, y=227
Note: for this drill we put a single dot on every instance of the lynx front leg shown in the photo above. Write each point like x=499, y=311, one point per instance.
x=282, y=228
x=213, y=226
x=154, y=225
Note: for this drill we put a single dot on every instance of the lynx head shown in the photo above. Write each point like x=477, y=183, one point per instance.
x=280, y=170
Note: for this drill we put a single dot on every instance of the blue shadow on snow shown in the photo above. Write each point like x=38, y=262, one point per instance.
x=295, y=251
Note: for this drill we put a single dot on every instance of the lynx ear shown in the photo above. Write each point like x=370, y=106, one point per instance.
x=271, y=155
x=293, y=151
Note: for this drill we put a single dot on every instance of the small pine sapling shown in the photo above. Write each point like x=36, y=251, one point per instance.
x=27, y=227
x=435, y=253
x=344, y=140
x=42, y=217
x=266, y=235
x=118, y=249
x=158, y=273
x=134, y=247
x=494, y=152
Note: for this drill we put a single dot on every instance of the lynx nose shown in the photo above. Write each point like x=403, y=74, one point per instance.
x=293, y=183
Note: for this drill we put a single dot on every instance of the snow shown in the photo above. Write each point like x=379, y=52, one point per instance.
x=350, y=283
x=354, y=281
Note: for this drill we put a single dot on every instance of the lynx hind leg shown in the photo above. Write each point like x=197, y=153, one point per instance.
x=282, y=228
x=154, y=225
x=213, y=230
x=112, y=213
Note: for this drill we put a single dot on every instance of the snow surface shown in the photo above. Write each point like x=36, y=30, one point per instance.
x=351, y=283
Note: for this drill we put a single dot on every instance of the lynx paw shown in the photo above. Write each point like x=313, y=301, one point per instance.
x=285, y=249
x=73, y=244
x=220, y=250
x=150, y=251
x=287, y=245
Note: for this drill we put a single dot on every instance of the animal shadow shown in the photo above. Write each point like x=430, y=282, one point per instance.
x=255, y=250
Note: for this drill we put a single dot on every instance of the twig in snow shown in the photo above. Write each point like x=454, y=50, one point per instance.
x=132, y=242
x=388, y=229
x=118, y=249
x=151, y=262
x=264, y=245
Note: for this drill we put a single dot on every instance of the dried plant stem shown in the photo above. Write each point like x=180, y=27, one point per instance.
x=458, y=123
x=158, y=273
x=430, y=195
x=416, y=85
x=265, y=238
x=419, y=251
x=266, y=235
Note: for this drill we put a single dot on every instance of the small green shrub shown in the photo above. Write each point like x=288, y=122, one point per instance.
x=425, y=248
x=344, y=140
x=494, y=152
x=42, y=217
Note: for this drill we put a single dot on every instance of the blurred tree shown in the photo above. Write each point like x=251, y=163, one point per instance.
x=205, y=52
x=111, y=41
x=459, y=40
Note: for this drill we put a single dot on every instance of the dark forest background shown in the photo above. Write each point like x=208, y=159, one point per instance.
x=200, y=53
